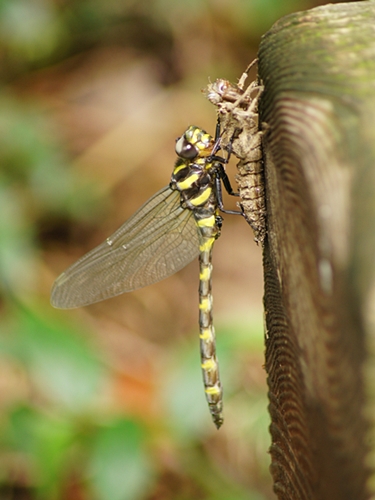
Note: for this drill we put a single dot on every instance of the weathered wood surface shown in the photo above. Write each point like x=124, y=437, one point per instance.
x=318, y=104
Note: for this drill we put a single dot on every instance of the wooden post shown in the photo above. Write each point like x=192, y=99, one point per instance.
x=318, y=112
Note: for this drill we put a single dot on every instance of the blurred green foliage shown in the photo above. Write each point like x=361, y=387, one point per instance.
x=120, y=465
x=59, y=436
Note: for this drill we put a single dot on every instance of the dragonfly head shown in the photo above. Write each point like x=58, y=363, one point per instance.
x=194, y=142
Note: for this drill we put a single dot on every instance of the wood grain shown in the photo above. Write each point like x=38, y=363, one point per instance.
x=318, y=109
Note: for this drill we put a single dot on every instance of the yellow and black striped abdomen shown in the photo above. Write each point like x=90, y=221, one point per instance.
x=209, y=228
x=195, y=179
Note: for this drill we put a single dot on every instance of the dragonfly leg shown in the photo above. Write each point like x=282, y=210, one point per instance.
x=219, y=193
x=221, y=174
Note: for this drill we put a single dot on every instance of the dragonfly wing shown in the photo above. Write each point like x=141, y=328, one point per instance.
x=157, y=241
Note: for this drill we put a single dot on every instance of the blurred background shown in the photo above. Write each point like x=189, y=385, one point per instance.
x=107, y=402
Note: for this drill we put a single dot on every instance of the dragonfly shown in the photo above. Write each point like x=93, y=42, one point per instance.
x=179, y=223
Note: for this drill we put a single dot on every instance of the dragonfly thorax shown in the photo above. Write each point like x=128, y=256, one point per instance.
x=194, y=171
x=195, y=183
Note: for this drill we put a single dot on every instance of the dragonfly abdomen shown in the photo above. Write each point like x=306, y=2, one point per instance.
x=209, y=363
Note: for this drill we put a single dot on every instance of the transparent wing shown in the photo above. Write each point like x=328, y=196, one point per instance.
x=157, y=241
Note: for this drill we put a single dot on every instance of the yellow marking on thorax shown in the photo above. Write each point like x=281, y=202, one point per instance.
x=188, y=182
x=207, y=222
x=200, y=162
x=209, y=365
x=207, y=245
x=178, y=168
x=212, y=391
x=206, y=334
x=202, y=198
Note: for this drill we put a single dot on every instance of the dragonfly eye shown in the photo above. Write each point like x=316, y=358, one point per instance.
x=185, y=149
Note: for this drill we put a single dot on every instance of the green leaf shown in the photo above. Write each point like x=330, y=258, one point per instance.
x=32, y=30
x=46, y=441
x=62, y=362
x=120, y=467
